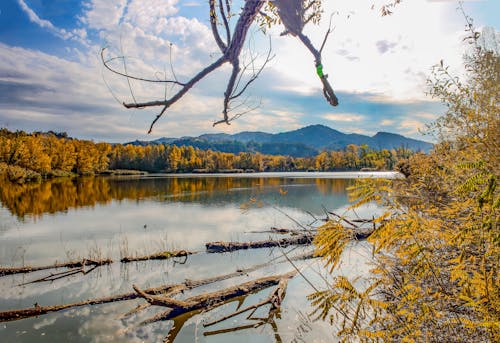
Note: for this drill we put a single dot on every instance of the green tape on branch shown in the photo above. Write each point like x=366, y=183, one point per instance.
x=319, y=70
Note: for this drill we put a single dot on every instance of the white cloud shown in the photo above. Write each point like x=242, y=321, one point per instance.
x=368, y=53
x=358, y=130
x=428, y=116
x=343, y=117
x=411, y=126
x=387, y=122
x=147, y=14
x=76, y=34
x=102, y=15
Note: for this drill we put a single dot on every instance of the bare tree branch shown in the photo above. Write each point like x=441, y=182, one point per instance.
x=213, y=25
x=106, y=64
x=225, y=21
x=291, y=12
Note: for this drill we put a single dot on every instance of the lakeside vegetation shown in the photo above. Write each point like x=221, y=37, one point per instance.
x=33, y=156
x=437, y=251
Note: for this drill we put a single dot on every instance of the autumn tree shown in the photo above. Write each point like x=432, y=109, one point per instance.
x=436, y=249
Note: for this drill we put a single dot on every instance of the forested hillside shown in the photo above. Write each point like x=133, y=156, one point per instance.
x=24, y=155
x=308, y=141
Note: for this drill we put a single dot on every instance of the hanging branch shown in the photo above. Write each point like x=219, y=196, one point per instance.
x=231, y=53
x=292, y=14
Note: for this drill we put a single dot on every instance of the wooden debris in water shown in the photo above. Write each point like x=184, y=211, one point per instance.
x=163, y=255
x=217, y=247
x=207, y=301
x=275, y=299
x=71, y=264
x=169, y=290
x=301, y=239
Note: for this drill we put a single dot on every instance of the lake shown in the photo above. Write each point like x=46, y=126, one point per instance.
x=111, y=217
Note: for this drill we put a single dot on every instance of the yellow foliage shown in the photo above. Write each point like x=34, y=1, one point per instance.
x=437, y=249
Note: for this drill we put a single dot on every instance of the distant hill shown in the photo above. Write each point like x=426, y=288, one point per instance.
x=307, y=141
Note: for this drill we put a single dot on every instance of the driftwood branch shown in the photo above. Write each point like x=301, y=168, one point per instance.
x=63, y=274
x=299, y=238
x=167, y=290
x=163, y=255
x=207, y=301
x=71, y=264
x=274, y=299
x=217, y=247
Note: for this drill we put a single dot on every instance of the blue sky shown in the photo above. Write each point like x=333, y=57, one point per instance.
x=51, y=77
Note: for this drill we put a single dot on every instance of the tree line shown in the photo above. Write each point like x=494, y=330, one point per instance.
x=53, y=154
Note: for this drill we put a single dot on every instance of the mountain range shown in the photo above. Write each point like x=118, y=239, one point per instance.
x=303, y=142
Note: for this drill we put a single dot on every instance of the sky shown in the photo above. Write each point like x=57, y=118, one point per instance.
x=52, y=77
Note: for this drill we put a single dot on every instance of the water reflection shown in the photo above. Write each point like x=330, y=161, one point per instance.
x=60, y=195
x=67, y=219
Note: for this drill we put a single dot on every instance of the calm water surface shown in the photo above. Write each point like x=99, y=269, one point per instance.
x=68, y=219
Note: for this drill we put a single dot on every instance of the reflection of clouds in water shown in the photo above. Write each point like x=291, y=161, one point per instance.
x=153, y=224
x=44, y=322
x=103, y=326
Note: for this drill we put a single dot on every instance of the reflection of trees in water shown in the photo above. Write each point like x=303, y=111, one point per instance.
x=335, y=186
x=60, y=195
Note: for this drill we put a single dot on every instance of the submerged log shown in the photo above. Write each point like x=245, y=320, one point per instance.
x=207, y=301
x=71, y=264
x=301, y=239
x=275, y=299
x=38, y=310
x=217, y=247
x=163, y=255
x=169, y=290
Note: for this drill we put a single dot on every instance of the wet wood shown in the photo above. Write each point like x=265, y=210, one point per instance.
x=300, y=239
x=71, y=264
x=275, y=299
x=157, y=256
x=284, y=230
x=169, y=290
x=39, y=310
x=207, y=301
x=218, y=247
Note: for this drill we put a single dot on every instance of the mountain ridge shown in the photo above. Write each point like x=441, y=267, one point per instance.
x=302, y=142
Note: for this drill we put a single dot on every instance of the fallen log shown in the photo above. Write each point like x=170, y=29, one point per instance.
x=275, y=299
x=303, y=239
x=71, y=264
x=282, y=230
x=40, y=310
x=207, y=301
x=163, y=255
x=169, y=290
x=218, y=247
